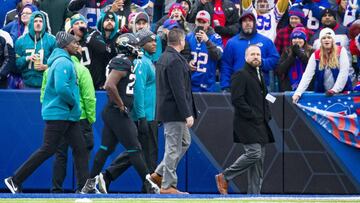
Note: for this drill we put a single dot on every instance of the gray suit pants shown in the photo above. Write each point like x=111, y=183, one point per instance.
x=177, y=142
x=252, y=161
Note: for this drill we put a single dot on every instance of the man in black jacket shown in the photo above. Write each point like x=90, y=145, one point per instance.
x=252, y=114
x=93, y=47
x=175, y=108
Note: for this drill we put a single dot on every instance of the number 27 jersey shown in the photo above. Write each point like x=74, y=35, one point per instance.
x=126, y=84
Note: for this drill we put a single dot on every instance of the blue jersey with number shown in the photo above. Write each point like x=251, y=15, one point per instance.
x=203, y=78
x=312, y=12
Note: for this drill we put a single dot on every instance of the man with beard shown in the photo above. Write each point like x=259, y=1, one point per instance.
x=234, y=52
x=252, y=114
x=93, y=46
x=33, y=50
x=108, y=25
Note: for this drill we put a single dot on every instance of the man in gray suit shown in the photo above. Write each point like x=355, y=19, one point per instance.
x=252, y=114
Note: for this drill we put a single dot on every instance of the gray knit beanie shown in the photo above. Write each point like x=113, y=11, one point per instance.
x=64, y=38
x=145, y=36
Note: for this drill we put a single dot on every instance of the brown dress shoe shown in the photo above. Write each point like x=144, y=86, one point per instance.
x=156, y=178
x=172, y=190
x=221, y=184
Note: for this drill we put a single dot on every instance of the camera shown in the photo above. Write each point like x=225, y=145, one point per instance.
x=198, y=28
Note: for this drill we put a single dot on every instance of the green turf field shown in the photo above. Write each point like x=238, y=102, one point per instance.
x=241, y=200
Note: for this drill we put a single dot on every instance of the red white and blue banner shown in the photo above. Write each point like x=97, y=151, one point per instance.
x=338, y=115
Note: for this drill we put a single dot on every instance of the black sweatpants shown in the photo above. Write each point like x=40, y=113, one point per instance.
x=53, y=133
x=61, y=155
x=118, y=127
x=149, y=144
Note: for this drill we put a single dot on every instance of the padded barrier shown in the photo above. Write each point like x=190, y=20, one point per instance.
x=305, y=159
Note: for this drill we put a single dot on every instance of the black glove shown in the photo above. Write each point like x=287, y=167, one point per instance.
x=296, y=50
x=143, y=127
x=329, y=93
x=220, y=30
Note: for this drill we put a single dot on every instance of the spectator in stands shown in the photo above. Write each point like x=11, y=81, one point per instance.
x=93, y=46
x=341, y=34
x=141, y=21
x=18, y=27
x=178, y=13
x=89, y=8
x=294, y=60
x=267, y=17
x=7, y=58
x=234, y=53
x=143, y=113
x=57, y=12
x=206, y=49
x=328, y=20
x=312, y=11
x=354, y=35
x=186, y=5
x=61, y=113
x=130, y=25
x=13, y=14
x=33, y=50
x=108, y=25
x=224, y=16
x=6, y=6
x=87, y=118
x=330, y=67
x=346, y=11
x=282, y=40
x=123, y=9
x=168, y=25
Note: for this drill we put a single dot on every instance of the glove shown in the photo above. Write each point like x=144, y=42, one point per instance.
x=142, y=126
x=220, y=30
x=296, y=50
x=329, y=93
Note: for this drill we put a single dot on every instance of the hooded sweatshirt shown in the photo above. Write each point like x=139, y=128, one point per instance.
x=61, y=97
x=27, y=45
x=234, y=54
x=86, y=88
x=110, y=42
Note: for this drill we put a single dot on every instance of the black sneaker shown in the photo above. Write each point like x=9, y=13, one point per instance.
x=153, y=187
x=103, y=183
x=90, y=186
x=11, y=185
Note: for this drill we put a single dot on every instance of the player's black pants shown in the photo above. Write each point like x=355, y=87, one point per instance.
x=53, y=133
x=149, y=144
x=59, y=167
x=118, y=127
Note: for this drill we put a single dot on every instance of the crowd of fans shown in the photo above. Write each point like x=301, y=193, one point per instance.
x=218, y=32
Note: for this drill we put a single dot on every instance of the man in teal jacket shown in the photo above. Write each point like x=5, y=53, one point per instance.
x=88, y=117
x=61, y=112
x=33, y=50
